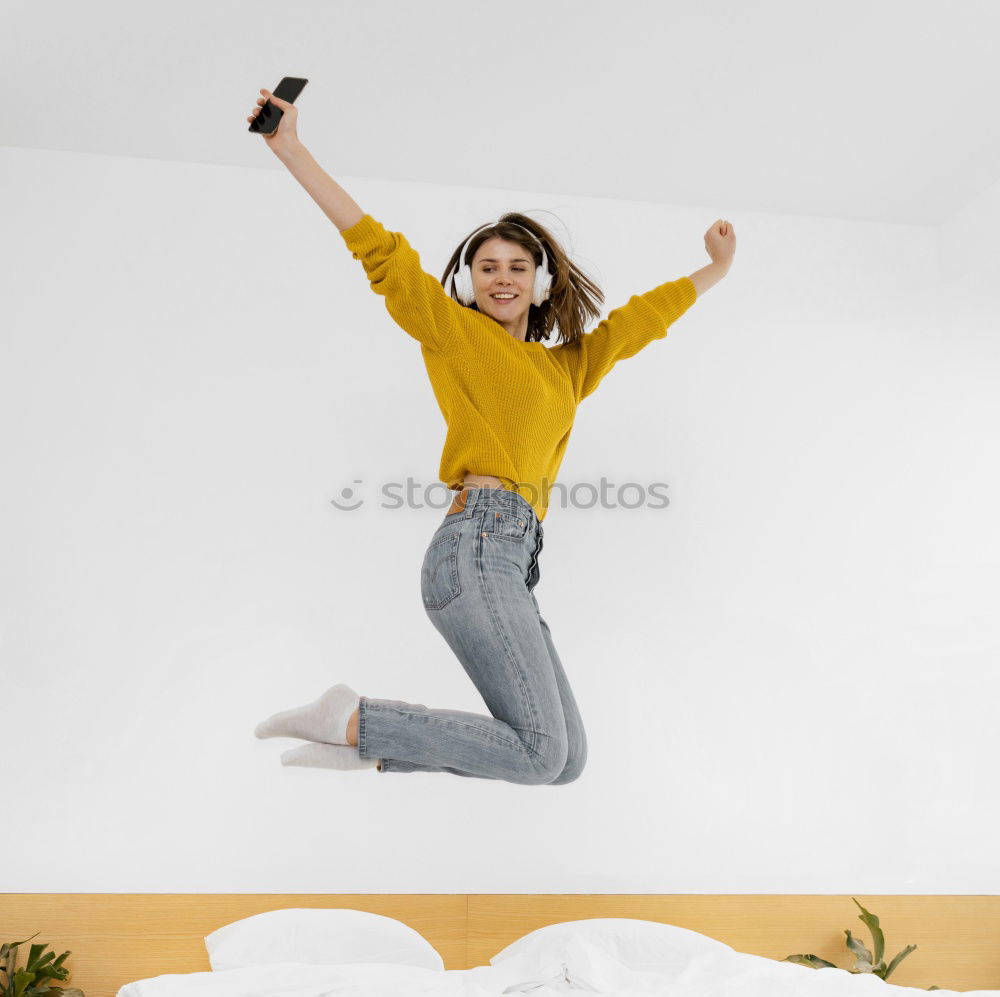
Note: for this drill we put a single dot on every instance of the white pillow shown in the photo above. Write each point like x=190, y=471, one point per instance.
x=583, y=965
x=329, y=937
x=637, y=944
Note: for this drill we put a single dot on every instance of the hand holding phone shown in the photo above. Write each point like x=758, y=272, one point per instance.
x=276, y=117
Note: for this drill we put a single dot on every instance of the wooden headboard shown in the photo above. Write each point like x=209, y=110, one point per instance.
x=116, y=938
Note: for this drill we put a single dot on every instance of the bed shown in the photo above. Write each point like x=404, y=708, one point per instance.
x=487, y=945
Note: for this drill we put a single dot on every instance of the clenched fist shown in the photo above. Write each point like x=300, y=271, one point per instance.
x=720, y=242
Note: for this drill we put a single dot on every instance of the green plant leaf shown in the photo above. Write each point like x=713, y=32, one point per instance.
x=900, y=956
x=14, y=945
x=35, y=958
x=809, y=960
x=21, y=981
x=872, y=922
x=33, y=954
x=864, y=961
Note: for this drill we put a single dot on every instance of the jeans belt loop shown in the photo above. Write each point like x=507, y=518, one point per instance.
x=465, y=502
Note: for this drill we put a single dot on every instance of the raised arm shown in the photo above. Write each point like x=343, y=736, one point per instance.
x=644, y=317
x=336, y=203
x=720, y=244
x=415, y=299
x=626, y=330
x=708, y=276
x=284, y=142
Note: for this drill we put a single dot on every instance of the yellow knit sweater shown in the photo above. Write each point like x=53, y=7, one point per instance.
x=509, y=406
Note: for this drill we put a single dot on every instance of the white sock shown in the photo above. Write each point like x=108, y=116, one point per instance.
x=324, y=719
x=327, y=756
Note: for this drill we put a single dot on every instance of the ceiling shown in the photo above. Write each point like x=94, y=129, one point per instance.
x=880, y=110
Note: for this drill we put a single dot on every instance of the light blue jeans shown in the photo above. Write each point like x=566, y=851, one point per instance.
x=476, y=580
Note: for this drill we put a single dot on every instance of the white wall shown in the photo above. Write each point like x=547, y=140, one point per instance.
x=789, y=675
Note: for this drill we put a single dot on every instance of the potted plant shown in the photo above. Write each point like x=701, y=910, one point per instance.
x=38, y=973
x=864, y=962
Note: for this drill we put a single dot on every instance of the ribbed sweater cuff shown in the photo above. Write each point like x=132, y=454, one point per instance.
x=364, y=235
x=673, y=298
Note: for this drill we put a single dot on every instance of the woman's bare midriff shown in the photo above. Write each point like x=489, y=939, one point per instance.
x=473, y=481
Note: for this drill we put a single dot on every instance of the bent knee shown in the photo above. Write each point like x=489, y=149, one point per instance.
x=549, y=761
x=572, y=770
x=576, y=759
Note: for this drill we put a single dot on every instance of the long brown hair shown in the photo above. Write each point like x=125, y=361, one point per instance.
x=573, y=298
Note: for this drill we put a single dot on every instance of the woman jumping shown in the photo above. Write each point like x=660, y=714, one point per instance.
x=509, y=402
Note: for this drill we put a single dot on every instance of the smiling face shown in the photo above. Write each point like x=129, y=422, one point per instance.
x=502, y=267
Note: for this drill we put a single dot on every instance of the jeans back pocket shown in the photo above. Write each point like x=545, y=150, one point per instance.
x=439, y=581
x=505, y=525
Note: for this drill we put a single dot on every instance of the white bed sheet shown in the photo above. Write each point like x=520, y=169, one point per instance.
x=578, y=967
x=354, y=980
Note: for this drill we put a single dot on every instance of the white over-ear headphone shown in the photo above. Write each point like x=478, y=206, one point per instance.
x=461, y=280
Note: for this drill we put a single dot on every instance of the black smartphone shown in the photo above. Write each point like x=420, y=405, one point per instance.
x=267, y=121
